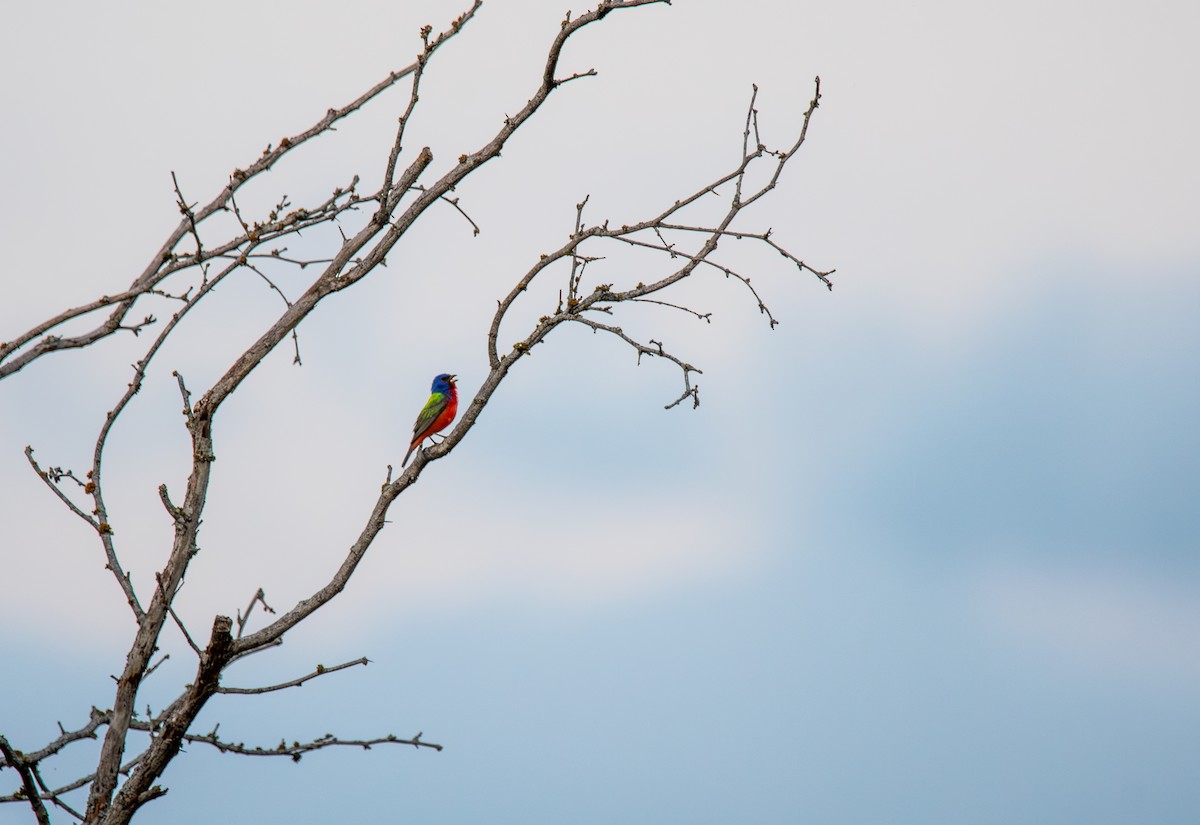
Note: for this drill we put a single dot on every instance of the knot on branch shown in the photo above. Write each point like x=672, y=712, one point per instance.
x=216, y=655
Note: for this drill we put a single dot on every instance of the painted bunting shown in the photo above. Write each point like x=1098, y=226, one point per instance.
x=439, y=411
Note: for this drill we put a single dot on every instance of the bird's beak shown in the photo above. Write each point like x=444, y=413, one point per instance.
x=452, y=377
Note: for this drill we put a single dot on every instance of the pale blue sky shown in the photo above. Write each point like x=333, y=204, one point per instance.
x=929, y=552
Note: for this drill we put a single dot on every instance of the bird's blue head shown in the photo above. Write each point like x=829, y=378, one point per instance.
x=444, y=383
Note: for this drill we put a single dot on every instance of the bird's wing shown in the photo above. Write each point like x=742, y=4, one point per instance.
x=433, y=408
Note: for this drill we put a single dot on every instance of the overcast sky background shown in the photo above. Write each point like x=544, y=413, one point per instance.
x=927, y=552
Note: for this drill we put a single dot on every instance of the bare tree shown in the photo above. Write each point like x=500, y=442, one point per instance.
x=202, y=252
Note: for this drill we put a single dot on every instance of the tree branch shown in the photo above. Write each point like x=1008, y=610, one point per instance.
x=399, y=202
x=16, y=760
x=320, y=671
x=140, y=788
x=163, y=264
x=643, y=349
x=258, y=598
x=297, y=749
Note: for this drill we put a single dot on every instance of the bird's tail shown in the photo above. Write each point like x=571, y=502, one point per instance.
x=411, y=447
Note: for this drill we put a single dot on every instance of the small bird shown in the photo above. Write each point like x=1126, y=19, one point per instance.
x=437, y=414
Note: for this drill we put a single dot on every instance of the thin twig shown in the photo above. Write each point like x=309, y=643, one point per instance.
x=259, y=597
x=168, y=600
x=657, y=351
x=54, y=799
x=321, y=670
x=187, y=212
x=297, y=749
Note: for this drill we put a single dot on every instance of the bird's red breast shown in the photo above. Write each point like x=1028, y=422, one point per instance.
x=447, y=415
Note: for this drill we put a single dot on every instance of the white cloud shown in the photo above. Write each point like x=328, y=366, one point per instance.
x=1120, y=621
x=561, y=554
